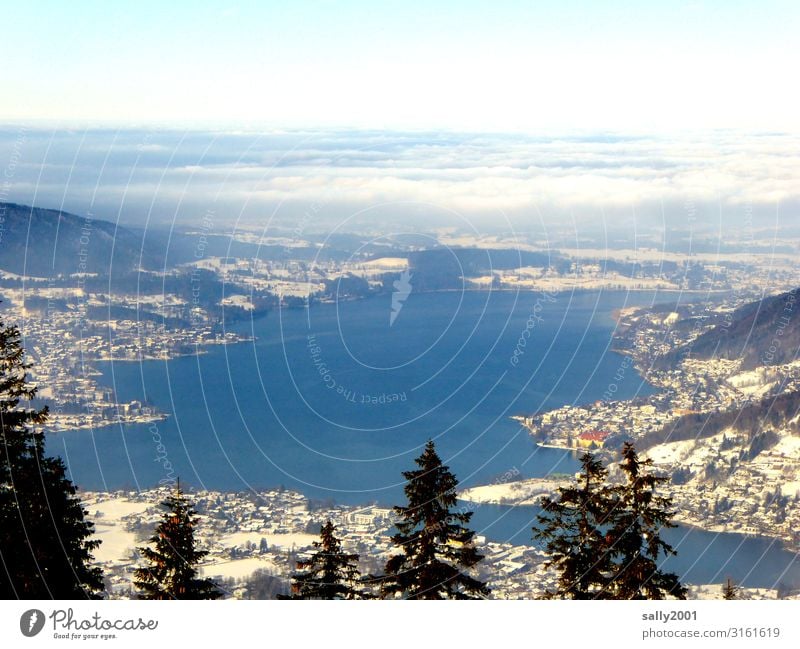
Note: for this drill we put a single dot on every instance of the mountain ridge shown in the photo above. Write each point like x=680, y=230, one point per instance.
x=42, y=242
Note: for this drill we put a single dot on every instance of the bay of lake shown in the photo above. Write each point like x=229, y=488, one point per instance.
x=335, y=401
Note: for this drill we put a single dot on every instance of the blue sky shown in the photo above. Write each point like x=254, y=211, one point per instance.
x=651, y=66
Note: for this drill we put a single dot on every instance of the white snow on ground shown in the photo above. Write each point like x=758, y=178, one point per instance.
x=287, y=541
x=758, y=391
x=750, y=378
x=519, y=492
x=386, y=263
x=658, y=255
x=237, y=568
x=116, y=543
x=209, y=263
x=671, y=452
x=242, y=301
x=107, y=516
x=115, y=509
x=4, y=274
x=486, y=280
x=789, y=446
x=790, y=488
x=294, y=289
x=484, y=241
x=758, y=382
x=714, y=591
x=570, y=282
x=697, y=452
x=286, y=242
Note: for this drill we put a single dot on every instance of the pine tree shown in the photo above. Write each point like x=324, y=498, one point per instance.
x=437, y=549
x=45, y=539
x=636, y=534
x=172, y=573
x=330, y=573
x=730, y=590
x=572, y=527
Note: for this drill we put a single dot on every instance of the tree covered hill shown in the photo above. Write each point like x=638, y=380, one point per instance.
x=765, y=332
x=46, y=243
x=42, y=242
x=754, y=419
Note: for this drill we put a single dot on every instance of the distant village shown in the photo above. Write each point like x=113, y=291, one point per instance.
x=257, y=537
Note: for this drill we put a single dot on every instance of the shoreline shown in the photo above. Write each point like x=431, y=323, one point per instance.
x=204, y=349
x=493, y=495
x=121, y=422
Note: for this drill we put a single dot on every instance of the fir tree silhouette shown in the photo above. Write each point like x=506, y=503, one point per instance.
x=45, y=539
x=730, y=590
x=330, y=573
x=635, y=531
x=173, y=557
x=437, y=549
x=573, y=530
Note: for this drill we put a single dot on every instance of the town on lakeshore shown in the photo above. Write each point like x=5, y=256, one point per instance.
x=254, y=540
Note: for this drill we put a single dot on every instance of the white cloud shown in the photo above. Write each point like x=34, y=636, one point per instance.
x=477, y=174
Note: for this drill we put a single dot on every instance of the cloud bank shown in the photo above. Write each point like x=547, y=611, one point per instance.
x=165, y=176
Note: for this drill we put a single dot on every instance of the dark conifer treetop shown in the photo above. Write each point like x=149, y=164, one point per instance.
x=330, y=573
x=437, y=550
x=173, y=557
x=636, y=532
x=45, y=546
x=605, y=540
x=729, y=590
x=573, y=529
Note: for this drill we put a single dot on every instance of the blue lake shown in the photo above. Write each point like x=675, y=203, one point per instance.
x=336, y=401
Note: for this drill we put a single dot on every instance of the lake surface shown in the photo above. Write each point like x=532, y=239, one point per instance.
x=337, y=400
